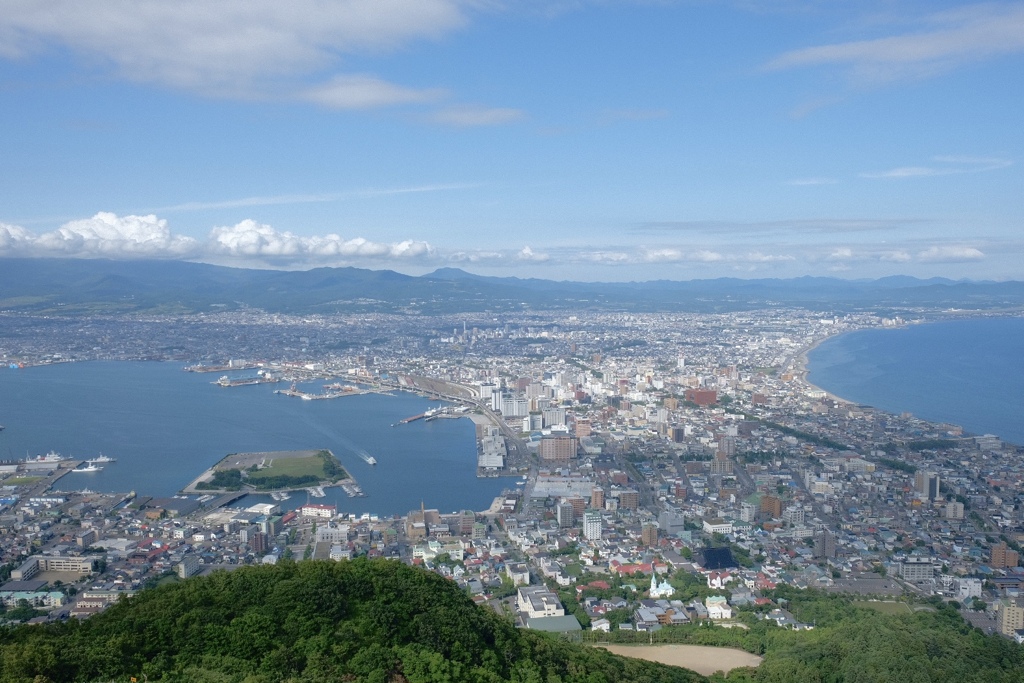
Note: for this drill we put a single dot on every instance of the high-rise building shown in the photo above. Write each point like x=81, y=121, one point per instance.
x=597, y=498
x=629, y=499
x=565, y=515
x=721, y=464
x=562, y=448
x=771, y=506
x=649, y=535
x=824, y=544
x=259, y=542
x=592, y=525
x=927, y=484
x=1011, y=616
x=1003, y=556
x=578, y=503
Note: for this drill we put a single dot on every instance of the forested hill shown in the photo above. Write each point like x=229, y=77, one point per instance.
x=364, y=620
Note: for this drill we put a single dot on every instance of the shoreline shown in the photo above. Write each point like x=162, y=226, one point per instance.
x=799, y=365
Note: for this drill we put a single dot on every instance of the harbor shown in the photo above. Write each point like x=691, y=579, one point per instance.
x=331, y=391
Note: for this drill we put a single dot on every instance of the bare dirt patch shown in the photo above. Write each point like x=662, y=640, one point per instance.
x=703, y=659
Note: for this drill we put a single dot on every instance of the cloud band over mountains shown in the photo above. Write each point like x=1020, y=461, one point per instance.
x=251, y=243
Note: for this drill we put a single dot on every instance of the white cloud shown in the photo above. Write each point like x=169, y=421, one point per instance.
x=107, y=234
x=475, y=256
x=947, y=165
x=841, y=254
x=111, y=236
x=943, y=42
x=605, y=257
x=471, y=115
x=665, y=255
x=366, y=92
x=13, y=238
x=898, y=256
x=256, y=240
x=251, y=49
x=758, y=257
x=528, y=254
x=950, y=254
x=223, y=47
x=707, y=256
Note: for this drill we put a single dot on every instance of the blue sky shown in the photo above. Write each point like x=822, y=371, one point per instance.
x=605, y=140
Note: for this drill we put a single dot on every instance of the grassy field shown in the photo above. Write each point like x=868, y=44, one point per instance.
x=292, y=467
x=886, y=607
x=21, y=481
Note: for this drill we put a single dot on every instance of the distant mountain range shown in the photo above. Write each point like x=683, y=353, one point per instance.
x=95, y=286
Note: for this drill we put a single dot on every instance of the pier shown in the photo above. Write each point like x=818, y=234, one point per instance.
x=225, y=499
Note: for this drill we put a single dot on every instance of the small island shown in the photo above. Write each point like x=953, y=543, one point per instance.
x=271, y=472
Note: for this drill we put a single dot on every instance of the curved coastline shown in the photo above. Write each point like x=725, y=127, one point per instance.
x=800, y=367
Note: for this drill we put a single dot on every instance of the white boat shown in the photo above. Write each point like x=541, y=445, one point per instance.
x=100, y=458
x=87, y=468
x=52, y=456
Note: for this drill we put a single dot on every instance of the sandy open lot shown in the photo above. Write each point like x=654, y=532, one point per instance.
x=700, y=658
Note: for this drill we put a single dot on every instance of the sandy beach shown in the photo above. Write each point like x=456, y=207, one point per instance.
x=703, y=659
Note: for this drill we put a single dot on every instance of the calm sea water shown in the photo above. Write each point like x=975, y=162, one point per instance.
x=166, y=426
x=966, y=372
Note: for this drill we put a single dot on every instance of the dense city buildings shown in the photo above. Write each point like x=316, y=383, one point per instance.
x=661, y=445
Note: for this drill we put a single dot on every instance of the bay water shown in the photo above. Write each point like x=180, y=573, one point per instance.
x=165, y=427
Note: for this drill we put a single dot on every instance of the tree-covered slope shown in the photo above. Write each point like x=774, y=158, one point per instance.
x=364, y=620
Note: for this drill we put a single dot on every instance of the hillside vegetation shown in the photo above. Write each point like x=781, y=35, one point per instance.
x=365, y=620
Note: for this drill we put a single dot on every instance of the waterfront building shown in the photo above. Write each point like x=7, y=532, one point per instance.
x=317, y=510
